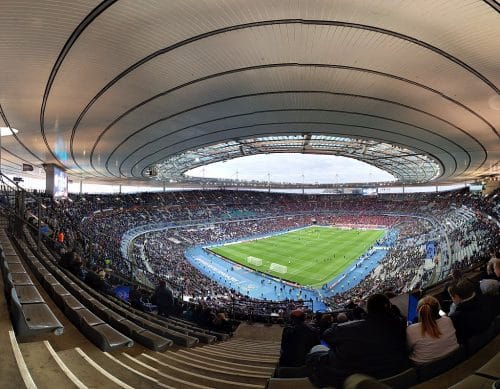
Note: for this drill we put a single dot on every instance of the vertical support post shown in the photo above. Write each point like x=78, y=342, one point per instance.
x=39, y=226
x=0, y=153
x=20, y=211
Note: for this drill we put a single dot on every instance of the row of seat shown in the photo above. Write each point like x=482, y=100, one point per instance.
x=484, y=377
x=413, y=375
x=69, y=301
x=97, y=313
x=182, y=333
x=178, y=324
x=233, y=364
x=488, y=376
x=149, y=334
x=30, y=313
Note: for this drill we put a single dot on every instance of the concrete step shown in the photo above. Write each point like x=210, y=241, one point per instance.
x=20, y=366
x=188, y=375
x=223, y=366
x=87, y=371
x=225, y=356
x=249, y=348
x=214, y=371
x=124, y=372
x=171, y=379
x=259, y=342
x=44, y=369
x=245, y=350
x=252, y=342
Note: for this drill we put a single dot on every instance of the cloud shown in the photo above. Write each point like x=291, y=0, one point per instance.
x=320, y=169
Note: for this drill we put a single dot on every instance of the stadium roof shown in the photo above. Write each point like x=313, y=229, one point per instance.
x=404, y=164
x=111, y=89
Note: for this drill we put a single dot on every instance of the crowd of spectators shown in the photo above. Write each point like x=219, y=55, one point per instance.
x=365, y=333
x=163, y=250
x=380, y=341
x=93, y=226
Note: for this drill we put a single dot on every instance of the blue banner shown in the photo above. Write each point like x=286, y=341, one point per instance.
x=430, y=250
x=122, y=292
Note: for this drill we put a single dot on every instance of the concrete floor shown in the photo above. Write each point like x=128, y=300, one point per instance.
x=259, y=331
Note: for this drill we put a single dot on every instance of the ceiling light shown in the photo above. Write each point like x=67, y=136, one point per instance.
x=6, y=131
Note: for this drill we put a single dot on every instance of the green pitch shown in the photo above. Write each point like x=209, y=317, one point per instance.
x=313, y=255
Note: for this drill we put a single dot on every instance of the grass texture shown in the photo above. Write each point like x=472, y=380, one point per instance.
x=313, y=255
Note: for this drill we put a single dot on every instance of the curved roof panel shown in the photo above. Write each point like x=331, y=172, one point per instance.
x=110, y=89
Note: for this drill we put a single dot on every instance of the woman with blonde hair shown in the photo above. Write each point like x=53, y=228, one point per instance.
x=433, y=336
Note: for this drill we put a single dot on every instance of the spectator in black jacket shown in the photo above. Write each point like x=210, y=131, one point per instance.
x=375, y=346
x=490, y=289
x=221, y=324
x=92, y=279
x=297, y=340
x=135, y=297
x=164, y=299
x=472, y=315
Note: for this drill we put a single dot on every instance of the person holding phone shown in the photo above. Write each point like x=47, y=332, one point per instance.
x=433, y=336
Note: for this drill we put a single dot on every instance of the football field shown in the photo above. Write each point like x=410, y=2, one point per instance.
x=312, y=256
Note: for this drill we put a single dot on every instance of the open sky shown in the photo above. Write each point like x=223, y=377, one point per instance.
x=284, y=167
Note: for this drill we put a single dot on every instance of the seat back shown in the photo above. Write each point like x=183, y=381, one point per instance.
x=289, y=383
x=361, y=381
x=18, y=321
x=5, y=269
x=292, y=372
x=9, y=284
x=32, y=319
x=402, y=380
x=429, y=370
x=476, y=342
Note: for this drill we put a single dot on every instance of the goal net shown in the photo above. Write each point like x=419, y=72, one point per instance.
x=254, y=261
x=276, y=267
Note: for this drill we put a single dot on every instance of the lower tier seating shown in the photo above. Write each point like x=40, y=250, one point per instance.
x=30, y=313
